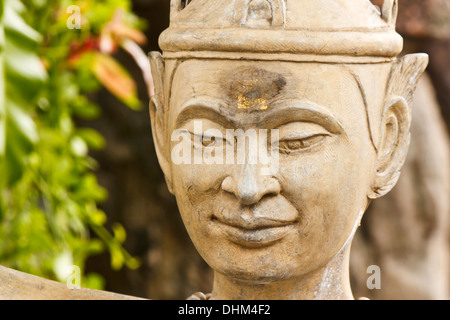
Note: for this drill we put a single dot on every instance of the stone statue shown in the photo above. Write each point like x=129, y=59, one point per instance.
x=324, y=80
x=276, y=123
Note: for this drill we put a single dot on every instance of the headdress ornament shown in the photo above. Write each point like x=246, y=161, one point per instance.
x=296, y=30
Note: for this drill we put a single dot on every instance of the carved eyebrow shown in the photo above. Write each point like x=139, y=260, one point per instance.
x=205, y=109
x=281, y=112
x=301, y=110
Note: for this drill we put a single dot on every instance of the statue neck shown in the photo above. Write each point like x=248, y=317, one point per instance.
x=328, y=283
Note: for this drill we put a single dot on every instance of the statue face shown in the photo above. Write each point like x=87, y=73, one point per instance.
x=267, y=227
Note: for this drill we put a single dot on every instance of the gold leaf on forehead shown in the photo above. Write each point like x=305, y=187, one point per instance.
x=252, y=89
x=250, y=96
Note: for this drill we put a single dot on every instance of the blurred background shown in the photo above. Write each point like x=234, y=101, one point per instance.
x=79, y=179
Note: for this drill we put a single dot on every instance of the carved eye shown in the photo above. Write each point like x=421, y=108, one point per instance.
x=202, y=141
x=292, y=145
x=209, y=141
x=300, y=136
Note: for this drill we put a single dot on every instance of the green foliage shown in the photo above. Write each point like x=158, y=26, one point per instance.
x=49, y=218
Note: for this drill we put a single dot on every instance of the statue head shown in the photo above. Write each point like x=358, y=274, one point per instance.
x=318, y=86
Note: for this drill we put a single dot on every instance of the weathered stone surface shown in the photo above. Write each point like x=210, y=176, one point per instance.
x=229, y=64
x=355, y=111
x=17, y=285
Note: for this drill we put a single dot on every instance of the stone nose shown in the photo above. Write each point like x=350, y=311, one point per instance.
x=249, y=186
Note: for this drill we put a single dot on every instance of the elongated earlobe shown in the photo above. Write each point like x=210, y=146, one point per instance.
x=396, y=122
x=395, y=139
x=157, y=116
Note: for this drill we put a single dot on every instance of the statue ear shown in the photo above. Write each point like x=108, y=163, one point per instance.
x=157, y=116
x=396, y=122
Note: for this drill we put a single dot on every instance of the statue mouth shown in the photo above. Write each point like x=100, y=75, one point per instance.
x=254, y=233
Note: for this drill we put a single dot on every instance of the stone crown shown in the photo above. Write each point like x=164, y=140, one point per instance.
x=293, y=29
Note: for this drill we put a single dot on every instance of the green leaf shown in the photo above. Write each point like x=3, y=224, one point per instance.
x=1, y=10
x=85, y=109
x=88, y=188
x=23, y=122
x=98, y=217
x=49, y=195
x=95, y=246
x=92, y=138
x=133, y=263
x=79, y=147
x=21, y=128
x=62, y=265
x=94, y=281
x=119, y=232
x=23, y=66
x=117, y=258
x=17, y=27
x=22, y=75
x=2, y=85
